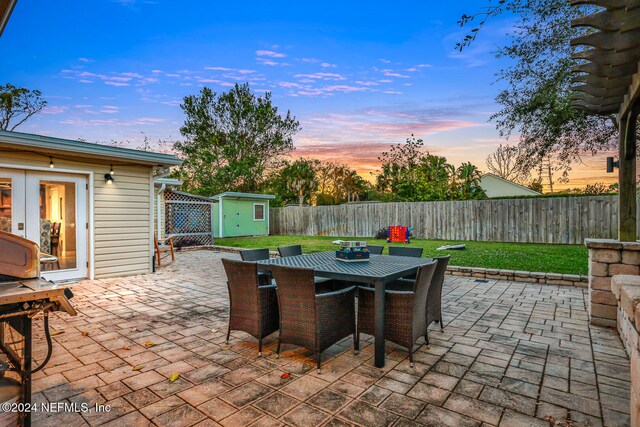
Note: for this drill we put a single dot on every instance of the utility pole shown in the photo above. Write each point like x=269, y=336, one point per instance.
x=550, y=175
x=545, y=163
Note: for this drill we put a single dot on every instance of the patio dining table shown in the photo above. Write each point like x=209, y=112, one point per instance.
x=379, y=271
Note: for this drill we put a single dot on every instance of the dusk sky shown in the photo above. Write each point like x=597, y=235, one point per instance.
x=358, y=75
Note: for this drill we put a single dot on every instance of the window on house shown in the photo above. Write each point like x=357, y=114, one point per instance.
x=258, y=212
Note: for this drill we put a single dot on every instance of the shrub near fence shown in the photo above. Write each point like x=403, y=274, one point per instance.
x=531, y=220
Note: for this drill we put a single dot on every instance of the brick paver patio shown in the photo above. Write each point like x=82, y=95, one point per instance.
x=511, y=354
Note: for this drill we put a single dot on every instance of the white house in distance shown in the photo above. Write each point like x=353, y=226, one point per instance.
x=89, y=204
x=495, y=186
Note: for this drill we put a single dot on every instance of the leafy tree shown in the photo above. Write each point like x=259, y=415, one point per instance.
x=353, y=185
x=18, y=104
x=537, y=101
x=296, y=181
x=536, y=185
x=232, y=140
x=467, y=182
x=338, y=183
x=430, y=179
x=408, y=173
x=507, y=163
x=598, y=188
x=399, y=161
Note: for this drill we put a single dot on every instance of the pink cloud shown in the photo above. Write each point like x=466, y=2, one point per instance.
x=112, y=122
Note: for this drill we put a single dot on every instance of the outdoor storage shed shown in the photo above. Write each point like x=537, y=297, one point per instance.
x=89, y=204
x=242, y=214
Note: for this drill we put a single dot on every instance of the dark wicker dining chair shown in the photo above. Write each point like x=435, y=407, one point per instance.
x=404, y=311
x=254, y=254
x=309, y=319
x=375, y=250
x=405, y=251
x=434, y=299
x=253, y=308
x=293, y=250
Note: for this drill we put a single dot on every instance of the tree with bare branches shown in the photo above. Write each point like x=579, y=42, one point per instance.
x=18, y=104
x=506, y=162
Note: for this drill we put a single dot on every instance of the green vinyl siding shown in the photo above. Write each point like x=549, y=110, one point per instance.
x=237, y=218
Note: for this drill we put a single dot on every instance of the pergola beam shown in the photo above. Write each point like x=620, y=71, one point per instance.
x=6, y=7
x=611, y=58
x=598, y=70
x=633, y=95
x=611, y=85
x=605, y=40
x=609, y=4
x=610, y=20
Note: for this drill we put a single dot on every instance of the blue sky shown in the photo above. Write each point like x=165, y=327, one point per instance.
x=358, y=75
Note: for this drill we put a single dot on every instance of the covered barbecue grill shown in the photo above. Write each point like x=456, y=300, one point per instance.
x=23, y=296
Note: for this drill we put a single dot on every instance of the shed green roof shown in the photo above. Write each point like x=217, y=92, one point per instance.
x=238, y=195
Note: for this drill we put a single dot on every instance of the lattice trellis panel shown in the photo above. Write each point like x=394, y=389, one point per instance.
x=188, y=219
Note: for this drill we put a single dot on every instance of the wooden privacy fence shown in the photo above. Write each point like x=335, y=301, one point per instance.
x=533, y=220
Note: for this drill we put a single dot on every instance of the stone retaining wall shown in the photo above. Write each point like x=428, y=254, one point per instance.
x=626, y=291
x=608, y=258
x=520, y=276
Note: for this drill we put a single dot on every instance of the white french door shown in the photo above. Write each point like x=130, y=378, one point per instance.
x=12, y=203
x=51, y=210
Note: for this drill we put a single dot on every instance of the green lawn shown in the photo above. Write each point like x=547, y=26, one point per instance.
x=566, y=259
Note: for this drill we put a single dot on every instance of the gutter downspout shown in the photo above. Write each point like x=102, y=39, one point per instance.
x=220, y=228
x=159, y=212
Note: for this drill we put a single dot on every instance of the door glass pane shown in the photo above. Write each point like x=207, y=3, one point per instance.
x=5, y=204
x=58, y=223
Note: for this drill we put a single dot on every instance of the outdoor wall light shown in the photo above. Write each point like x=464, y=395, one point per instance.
x=51, y=162
x=111, y=172
x=108, y=178
x=611, y=164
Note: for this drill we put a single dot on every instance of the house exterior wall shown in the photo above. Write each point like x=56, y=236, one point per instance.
x=496, y=187
x=123, y=240
x=238, y=217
